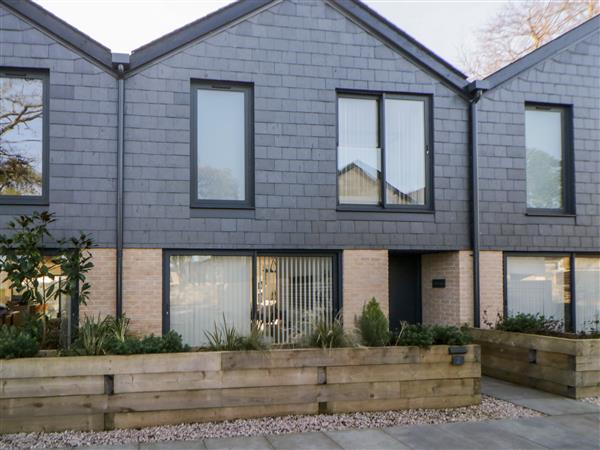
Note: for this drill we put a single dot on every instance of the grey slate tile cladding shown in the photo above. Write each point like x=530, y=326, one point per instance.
x=570, y=77
x=297, y=54
x=82, y=131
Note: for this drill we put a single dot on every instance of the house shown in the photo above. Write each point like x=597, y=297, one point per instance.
x=286, y=160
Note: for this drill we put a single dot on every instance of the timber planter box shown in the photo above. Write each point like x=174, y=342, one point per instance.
x=105, y=392
x=564, y=366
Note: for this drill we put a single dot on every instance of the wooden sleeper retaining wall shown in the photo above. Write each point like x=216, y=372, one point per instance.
x=105, y=392
x=569, y=367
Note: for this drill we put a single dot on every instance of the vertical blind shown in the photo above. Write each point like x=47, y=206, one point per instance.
x=293, y=294
x=587, y=289
x=206, y=290
x=405, y=151
x=359, y=154
x=539, y=285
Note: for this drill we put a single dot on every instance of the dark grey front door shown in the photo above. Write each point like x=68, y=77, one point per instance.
x=405, y=289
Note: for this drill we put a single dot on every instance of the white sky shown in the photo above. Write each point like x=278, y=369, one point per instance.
x=444, y=26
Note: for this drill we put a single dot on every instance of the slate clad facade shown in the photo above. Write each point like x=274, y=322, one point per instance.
x=295, y=59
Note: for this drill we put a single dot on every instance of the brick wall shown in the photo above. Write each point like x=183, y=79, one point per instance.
x=452, y=305
x=365, y=276
x=102, y=278
x=142, y=289
x=491, y=295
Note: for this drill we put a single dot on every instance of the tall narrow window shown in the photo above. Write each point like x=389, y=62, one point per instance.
x=23, y=137
x=539, y=285
x=587, y=289
x=405, y=152
x=221, y=145
x=359, y=153
x=548, y=162
x=394, y=173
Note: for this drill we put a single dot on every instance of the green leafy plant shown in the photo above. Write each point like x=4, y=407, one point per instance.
x=93, y=336
x=327, y=334
x=529, y=323
x=170, y=342
x=28, y=270
x=414, y=335
x=17, y=343
x=226, y=338
x=449, y=335
x=373, y=325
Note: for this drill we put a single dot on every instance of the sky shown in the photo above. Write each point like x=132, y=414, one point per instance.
x=444, y=26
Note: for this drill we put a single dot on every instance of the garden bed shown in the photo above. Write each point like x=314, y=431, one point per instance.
x=564, y=366
x=106, y=392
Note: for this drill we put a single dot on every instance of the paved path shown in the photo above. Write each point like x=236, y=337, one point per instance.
x=568, y=424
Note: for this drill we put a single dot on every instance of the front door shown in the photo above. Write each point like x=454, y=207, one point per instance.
x=405, y=289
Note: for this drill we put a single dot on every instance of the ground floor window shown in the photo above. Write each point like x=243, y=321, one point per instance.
x=565, y=287
x=55, y=309
x=285, y=295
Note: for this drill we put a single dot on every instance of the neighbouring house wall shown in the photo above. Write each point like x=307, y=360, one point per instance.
x=571, y=78
x=296, y=54
x=102, y=278
x=453, y=304
x=82, y=135
x=365, y=275
x=142, y=289
x=491, y=286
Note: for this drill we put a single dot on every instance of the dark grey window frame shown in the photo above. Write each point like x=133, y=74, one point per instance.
x=568, y=160
x=381, y=96
x=336, y=256
x=44, y=76
x=248, y=90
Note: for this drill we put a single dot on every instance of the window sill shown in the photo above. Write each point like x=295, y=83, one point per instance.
x=533, y=213
x=19, y=201
x=376, y=209
x=221, y=212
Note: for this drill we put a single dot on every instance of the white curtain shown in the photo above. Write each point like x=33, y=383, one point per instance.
x=538, y=285
x=293, y=293
x=405, y=151
x=205, y=290
x=359, y=155
x=587, y=288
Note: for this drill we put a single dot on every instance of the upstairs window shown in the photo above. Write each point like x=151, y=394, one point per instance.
x=549, y=162
x=222, y=174
x=384, y=158
x=23, y=137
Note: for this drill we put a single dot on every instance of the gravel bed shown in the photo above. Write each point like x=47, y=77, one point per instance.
x=490, y=408
x=592, y=400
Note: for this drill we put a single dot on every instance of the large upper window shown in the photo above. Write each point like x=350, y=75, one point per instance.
x=283, y=295
x=221, y=145
x=549, y=169
x=23, y=137
x=384, y=151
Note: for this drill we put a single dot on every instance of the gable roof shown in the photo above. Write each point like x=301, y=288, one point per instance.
x=361, y=13
x=60, y=29
x=545, y=51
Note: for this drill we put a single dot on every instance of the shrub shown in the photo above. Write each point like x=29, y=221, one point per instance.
x=449, y=335
x=226, y=338
x=414, y=335
x=17, y=343
x=170, y=342
x=93, y=336
x=327, y=334
x=529, y=323
x=373, y=325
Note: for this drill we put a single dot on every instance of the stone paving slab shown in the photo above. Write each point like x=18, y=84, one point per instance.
x=303, y=441
x=248, y=443
x=543, y=402
x=430, y=437
x=365, y=439
x=173, y=445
